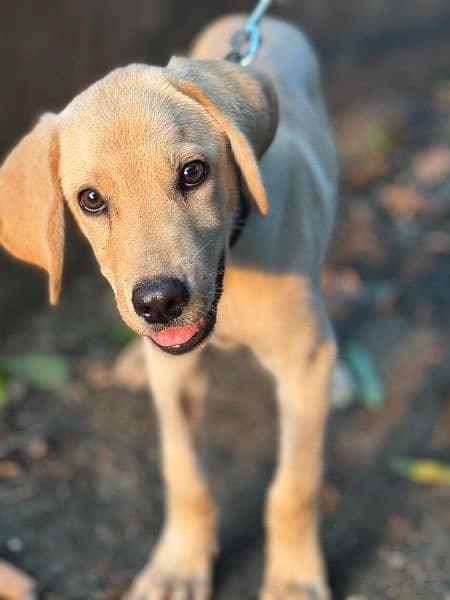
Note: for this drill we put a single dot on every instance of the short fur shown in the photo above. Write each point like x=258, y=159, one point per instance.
x=127, y=135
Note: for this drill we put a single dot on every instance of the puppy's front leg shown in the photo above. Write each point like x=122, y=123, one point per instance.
x=181, y=563
x=294, y=565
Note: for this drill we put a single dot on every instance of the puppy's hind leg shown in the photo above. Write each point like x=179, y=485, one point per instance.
x=294, y=566
x=180, y=566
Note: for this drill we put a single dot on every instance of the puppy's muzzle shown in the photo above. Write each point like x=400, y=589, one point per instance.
x=160, y=301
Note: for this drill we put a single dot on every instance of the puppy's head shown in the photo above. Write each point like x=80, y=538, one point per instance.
x=150, y=161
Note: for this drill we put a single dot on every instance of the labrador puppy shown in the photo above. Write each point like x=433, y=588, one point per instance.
x=207, y=192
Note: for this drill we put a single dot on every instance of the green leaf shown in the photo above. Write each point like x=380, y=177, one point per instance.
x=44, y=370
x=422, y=470
x=365, y=373
x=4, y=380
x=378, y=140
x=402, y=466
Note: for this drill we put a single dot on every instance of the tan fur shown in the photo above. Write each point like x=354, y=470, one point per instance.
x=14, y=584
x=127, y=136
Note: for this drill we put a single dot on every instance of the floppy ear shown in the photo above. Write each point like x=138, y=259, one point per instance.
x=31, y=204
x=244, y=103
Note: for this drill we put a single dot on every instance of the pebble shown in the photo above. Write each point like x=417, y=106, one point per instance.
x=9, y=469
x=15, y=544
x=394, y=559
x=343, y=387
x=401, y=200
x=432, y=166
x=37, y=448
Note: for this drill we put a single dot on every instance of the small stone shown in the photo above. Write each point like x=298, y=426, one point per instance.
x=343, y=387
x=432, y=166
x=37, y=448
x=15, y=544
x=396, y=560
x=401, y=200
x=9, y=469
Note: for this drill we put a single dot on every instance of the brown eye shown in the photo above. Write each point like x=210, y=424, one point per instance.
x=193, y=173
x=91, y=201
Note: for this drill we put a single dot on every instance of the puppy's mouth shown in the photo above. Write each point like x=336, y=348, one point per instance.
x=179, y=340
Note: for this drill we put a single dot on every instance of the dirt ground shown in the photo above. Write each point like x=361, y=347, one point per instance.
x=84, y=506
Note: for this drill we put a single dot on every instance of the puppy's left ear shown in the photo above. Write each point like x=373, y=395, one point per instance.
x=243, y=102
x=31, y=203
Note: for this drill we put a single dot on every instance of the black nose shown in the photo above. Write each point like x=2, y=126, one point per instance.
x=161, y=300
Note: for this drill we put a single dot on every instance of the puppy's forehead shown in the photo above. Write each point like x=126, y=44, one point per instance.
x=137, y=114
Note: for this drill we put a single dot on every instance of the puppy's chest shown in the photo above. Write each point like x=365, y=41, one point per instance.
x=243, y=315
x=234, y=311
x=231, y=330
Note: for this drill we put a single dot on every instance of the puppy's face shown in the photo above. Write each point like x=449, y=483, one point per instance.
x=148, y=160
x=148, y=174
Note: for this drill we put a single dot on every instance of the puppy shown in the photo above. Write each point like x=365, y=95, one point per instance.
x=207, y=192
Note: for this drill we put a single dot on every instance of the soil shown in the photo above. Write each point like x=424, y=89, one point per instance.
x=84, y=506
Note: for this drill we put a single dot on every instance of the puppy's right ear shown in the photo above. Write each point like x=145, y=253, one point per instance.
x=31, y=202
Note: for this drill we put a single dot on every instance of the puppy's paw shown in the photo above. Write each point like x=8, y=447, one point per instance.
x=294, y=590
x=15, y=584
x=172, y=576
x=153, y=585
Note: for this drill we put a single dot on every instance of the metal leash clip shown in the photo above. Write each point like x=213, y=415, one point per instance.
x=246, y=42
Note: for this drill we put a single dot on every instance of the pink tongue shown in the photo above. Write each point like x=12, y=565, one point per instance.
x=175, y=336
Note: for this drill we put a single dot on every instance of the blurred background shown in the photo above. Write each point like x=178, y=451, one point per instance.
x=80, y=495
